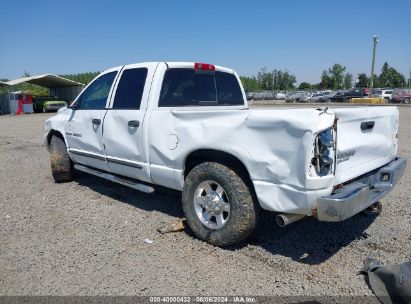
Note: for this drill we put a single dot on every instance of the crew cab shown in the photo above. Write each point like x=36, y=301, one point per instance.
x=188, y=126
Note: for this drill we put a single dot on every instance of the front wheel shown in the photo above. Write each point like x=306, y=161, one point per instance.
x=61, y=165
x=407, y=100
x=219, y=205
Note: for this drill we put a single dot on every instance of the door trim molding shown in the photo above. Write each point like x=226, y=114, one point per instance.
x=87, y=154
x=123, y=162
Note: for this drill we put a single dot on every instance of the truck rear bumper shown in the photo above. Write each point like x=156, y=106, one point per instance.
x=360, y=194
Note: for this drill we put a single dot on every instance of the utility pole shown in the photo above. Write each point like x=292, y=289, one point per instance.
x=373, y=62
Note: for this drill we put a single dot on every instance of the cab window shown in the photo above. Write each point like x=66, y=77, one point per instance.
x=130, y=89
x=95, y=96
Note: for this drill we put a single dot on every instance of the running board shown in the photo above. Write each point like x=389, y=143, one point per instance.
x=116, y=179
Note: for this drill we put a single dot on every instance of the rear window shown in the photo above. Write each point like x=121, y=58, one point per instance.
x=189, y=87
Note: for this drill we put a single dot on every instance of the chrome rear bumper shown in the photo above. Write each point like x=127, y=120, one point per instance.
x=360, y=194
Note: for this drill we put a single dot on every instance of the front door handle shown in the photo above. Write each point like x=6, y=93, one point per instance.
x=96, y=121
x=134, y=123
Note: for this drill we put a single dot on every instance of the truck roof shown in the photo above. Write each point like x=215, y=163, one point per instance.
x=181, y=65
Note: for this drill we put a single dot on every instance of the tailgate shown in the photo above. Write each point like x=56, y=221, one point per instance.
x=366, y=140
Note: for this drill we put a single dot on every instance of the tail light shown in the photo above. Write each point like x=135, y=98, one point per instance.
x=323, y=155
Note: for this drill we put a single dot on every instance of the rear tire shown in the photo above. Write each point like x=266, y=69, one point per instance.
x=239, y=207
x=407, y=100
x=61, y=165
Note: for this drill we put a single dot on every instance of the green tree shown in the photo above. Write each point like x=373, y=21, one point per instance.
x=250, y=84
x=363, y=81
x=348, y=81
x=265, y=79
x=390, y=77
x=275, y=80
x=304, y=86
x=336, y=78
x=337, y=73
x=325, y=80
x=84, y=78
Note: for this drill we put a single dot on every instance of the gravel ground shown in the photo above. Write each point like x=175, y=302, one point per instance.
x=87, y=237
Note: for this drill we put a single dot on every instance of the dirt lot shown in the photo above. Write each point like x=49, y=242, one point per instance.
x=87, y=237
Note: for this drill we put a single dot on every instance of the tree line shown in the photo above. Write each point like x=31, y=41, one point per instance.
x=335, y=77
x=389, y=78
x=274, y=80
x=83, y=78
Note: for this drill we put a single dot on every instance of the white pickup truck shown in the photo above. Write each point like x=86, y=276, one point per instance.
x=187, y=126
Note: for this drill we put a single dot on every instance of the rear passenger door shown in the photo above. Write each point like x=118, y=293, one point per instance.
x=123, y=134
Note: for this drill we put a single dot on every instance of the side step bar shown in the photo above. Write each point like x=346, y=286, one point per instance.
x=116, y=179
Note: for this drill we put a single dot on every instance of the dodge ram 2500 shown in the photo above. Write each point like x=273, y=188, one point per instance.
x=187, y=126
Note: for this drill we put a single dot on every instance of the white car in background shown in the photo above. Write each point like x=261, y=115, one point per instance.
x=280, y=96
x=386, y=94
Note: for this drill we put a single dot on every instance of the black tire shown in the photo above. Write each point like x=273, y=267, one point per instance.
x=61, y=165
x=407, y=100
x=244, y=207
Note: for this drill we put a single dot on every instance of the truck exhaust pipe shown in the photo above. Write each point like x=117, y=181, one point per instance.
x=285, y=219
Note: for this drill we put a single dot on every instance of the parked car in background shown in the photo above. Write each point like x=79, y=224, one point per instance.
x=258, y=96
x=318, y=96
x=345, y=96
x=302, y=96
x=47, y=103
x=280, y=96
x=268, y=95
x=401, y=96
x=249, y=95
x=327, y=97
x=384, y=93
x=338, y=97
x=290, y=97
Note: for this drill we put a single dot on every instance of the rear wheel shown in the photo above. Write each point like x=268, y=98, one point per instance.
x=407, y=100
x=61, y=165
x=219, y=205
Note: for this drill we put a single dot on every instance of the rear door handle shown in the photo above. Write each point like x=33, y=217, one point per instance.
x=96, y=121
x=134, y=123
x=367, y=125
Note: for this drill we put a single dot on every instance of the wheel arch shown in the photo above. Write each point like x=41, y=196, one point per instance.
x=230, y=160
x=54, y=133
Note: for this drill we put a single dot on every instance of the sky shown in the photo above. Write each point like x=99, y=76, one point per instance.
x=304, y=37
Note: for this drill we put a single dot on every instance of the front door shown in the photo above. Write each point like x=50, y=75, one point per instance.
x=84, y=129
x=123, y=124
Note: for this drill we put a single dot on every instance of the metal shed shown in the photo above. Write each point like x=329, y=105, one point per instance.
x=60, y=87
